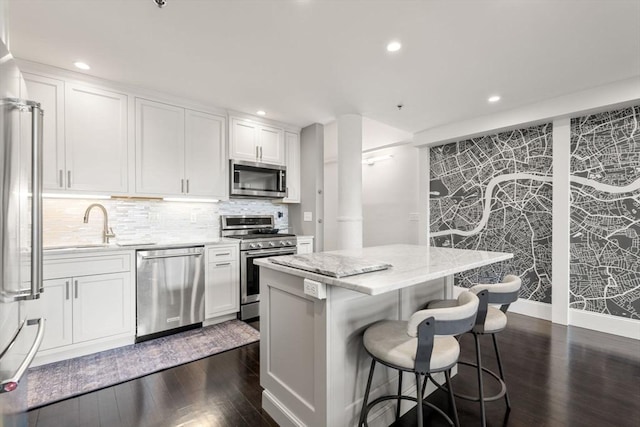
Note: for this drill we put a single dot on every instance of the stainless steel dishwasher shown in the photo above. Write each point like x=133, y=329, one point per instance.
x=169, y=291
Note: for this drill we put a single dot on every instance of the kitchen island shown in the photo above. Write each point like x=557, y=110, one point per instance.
x=313, y=367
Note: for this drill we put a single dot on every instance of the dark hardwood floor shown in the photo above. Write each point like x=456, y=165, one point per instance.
x=557, y=376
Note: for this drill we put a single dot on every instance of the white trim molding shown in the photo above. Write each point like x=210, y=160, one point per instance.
x=535, y=309
x=614, y=325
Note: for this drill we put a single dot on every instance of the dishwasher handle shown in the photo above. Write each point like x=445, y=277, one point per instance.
x=183, y=254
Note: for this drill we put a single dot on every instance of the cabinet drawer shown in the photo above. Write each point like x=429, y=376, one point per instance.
x=222, y=253
x=69, y=266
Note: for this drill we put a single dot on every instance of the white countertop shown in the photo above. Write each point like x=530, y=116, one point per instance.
x=410, y=265
x=124, y=246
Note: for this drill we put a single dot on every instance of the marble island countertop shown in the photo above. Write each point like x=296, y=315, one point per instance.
x=410, y=265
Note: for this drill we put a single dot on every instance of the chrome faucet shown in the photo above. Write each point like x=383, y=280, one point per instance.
x=107, y=232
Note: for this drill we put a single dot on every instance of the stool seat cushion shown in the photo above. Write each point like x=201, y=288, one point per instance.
x=388, y=341
x=495, y=321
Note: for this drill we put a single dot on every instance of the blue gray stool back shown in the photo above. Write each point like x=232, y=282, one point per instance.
x=423, y=345
x=490, y=320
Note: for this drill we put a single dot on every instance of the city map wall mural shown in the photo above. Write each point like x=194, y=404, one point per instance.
x=494, y=193
x=605, y=213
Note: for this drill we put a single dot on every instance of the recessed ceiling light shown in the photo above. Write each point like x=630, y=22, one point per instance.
x=494, y=98
x=394, y=46
x=82, y=65
x=261, y=113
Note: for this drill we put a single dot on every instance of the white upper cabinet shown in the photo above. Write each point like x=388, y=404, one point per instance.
x=292, y=142
x=159, y=148
x=243, y=140
x=84, y=136
x=271, y=142
x=96, y=140
x=179, y=152
x=206, y=168
x=256, y=142
x=50, y=94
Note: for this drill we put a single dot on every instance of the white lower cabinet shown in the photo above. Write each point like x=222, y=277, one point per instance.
x=86, y=312
x=79, y=309
x=304, y=245
x=222, y=281
x=56, y=308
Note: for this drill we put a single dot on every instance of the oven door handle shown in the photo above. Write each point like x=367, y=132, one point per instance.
x=291, y=251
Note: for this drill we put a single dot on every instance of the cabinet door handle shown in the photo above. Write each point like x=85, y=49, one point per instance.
x=68, y=179
x=67, y=290
x=261, y=152
x=61, y=177
x=257, y=152
x=76, y=286
x=187, y=185
x=224, y=254
x=182, y=185
x=223, y=264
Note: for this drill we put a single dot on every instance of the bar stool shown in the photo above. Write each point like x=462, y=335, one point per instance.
x=423, y=345
x=490, y=320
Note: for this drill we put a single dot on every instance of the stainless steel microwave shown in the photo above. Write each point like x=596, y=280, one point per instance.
x=250, y=179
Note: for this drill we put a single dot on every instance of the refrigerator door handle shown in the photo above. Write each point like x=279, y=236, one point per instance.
x=36, y=201
x=36, y=197
x=11, y=384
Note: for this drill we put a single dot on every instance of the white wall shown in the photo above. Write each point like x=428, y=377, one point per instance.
x=390, y=197
x=389, y=188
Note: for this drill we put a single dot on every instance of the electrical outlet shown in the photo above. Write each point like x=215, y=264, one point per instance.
x=315, y=289
x=307, y=216
x=154, y=216
x=194, y=217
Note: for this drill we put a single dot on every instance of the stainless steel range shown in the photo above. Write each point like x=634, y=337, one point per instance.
x=258, y=239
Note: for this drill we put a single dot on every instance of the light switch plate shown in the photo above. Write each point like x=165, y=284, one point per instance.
x=307, y=216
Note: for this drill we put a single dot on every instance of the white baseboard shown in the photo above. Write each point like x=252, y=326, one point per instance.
x=605, y=323
x=278, y=411
x=82, y=349
x=535, y=309
x=220, y=319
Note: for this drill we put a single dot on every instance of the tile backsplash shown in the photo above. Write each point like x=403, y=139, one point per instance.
x=147, y=221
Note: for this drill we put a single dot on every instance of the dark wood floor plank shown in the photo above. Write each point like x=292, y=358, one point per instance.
x=557, y=376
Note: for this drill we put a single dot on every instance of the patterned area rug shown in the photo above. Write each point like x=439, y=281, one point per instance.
x=68, y=378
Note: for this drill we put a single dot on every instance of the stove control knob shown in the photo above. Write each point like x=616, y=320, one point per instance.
x=289, y=242
x=283, y=243
x=252, y=245
x=272, y=244
x=259, y=245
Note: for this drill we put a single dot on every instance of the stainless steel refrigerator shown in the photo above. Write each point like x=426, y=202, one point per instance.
x=20, y=238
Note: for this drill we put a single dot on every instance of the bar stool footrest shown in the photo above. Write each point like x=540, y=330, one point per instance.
x=403, y=397
x=499, y=395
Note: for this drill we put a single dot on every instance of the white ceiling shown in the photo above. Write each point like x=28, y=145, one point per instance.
x=311, y=61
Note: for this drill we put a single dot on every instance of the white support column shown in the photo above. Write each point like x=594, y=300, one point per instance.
x=350, y=181
x=424, y=204
x=561, y=221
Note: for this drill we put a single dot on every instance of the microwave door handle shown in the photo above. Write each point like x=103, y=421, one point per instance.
x=282, y=183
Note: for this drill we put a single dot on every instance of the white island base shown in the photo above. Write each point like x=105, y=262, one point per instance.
x=313, y=367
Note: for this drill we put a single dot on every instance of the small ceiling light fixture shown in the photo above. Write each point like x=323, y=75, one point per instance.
x=82, y=65
x=160, y=3
x=494, y=98
x=261, y=113
x=394, y=46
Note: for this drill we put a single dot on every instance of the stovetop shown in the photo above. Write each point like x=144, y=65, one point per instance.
x=253, y=236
